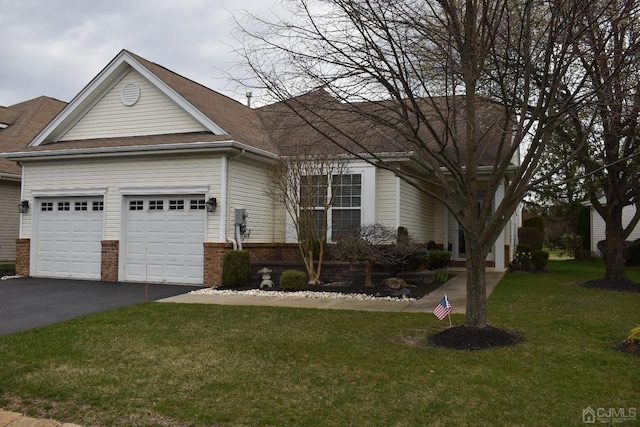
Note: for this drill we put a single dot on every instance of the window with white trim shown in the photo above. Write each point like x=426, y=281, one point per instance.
x=176, y=205
x=345, y=213
x=136, y=205
x=197, y=204
x=156, y=205
x=98, y=205
x=81, y=206
x=46, y=206
x=64, y=206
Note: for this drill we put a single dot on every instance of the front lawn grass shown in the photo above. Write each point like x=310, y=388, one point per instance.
x=159, y=364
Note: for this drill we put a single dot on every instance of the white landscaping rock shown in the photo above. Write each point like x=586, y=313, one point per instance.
x=299, y=294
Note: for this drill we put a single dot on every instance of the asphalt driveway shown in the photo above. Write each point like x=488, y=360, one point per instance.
x=31, y=302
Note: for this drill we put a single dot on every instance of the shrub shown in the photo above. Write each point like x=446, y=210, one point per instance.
x=522, y=260
x=572, y=243
x=293, y=280
x=531, y=236
x=417, y=258
x=439, y=259
x=534, y=222
x=539, y=259
x=236, y=268
x=633, y=251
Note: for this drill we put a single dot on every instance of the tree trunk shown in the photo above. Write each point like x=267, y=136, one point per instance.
x=476, y=288
x=615, y=257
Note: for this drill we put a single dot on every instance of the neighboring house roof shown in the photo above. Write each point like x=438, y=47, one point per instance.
x=21, y=123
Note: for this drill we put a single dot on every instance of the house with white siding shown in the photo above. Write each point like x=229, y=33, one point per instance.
x=599, y=226
x=149, y=176
x=19, y=124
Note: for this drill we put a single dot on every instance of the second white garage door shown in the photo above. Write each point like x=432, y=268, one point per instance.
x=164, y=238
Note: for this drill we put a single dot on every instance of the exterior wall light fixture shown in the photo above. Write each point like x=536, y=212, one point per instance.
x=212, y=204
x=23, y=206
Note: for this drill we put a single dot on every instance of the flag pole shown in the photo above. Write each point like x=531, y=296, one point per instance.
x=449, y=313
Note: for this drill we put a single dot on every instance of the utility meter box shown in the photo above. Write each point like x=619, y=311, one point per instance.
x=241, y=219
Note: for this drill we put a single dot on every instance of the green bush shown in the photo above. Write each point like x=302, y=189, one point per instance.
x=439, y=259
x=539, y=259
x=534, y=222
x=531, y=236
x=633, y=251
x=293, y=280
x=572, y=243
x=419, y=257
x=236, y=268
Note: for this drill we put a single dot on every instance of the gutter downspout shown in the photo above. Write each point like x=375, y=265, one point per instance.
x=237, y=242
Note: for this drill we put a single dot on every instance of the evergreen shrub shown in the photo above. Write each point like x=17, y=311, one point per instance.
x=293, y=280
x=236, y=268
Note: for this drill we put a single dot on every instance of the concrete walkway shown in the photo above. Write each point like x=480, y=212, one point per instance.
x=456, y=290
x=15, y=419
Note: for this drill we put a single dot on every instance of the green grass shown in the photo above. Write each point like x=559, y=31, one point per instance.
x=160, y=364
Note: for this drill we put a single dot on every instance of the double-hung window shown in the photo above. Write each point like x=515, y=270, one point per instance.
x=342, y=215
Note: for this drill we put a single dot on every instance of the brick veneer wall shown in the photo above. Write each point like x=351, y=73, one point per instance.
x=259, y=252
x=23, y=255
x=109, y=260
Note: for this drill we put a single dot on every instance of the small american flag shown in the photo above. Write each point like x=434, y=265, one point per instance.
x=442, y=309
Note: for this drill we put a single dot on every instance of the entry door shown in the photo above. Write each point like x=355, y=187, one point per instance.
x=164, y=239
x=68, y=237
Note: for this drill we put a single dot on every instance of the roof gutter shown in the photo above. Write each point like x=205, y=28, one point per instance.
x=134, y=150
x=10, y=177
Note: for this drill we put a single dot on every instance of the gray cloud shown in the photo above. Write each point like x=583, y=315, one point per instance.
x=55, y=47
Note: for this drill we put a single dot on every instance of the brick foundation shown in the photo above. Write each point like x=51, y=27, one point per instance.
x=109, y=261
x=23, y=256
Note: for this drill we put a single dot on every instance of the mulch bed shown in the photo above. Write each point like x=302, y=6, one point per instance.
x=627, y=346
x=613, y=285
x=416, y=289
x=470, y=338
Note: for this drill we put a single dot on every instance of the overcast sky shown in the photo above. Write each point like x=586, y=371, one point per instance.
x=55, y=47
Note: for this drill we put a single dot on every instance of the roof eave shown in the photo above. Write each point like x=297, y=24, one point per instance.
x=136, y=150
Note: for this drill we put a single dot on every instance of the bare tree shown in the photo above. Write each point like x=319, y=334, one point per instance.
x=608, y=125
x=466, y=89
x=303, y=184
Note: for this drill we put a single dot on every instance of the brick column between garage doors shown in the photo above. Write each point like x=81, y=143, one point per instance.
x=109, y=261
x=23, y=255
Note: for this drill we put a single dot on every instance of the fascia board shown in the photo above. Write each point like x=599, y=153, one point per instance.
x=136, y=150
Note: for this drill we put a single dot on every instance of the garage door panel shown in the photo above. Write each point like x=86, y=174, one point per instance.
x=166, y=238
x=68, y=242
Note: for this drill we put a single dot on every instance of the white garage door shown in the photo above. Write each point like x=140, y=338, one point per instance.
x=164, y=239
x=68, y=237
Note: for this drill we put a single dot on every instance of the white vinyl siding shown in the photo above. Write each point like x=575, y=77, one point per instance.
x=598, y=227
x=387, y=198
x=9, y=199
x=248, y=185
x=112, y=175
x=416, y=213
x=153, y=114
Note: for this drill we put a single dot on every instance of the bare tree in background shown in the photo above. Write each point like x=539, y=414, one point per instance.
x=303, y=184
x=608, y=125
x=465, y=89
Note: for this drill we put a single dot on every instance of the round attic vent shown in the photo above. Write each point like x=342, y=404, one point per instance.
x=130, y=94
